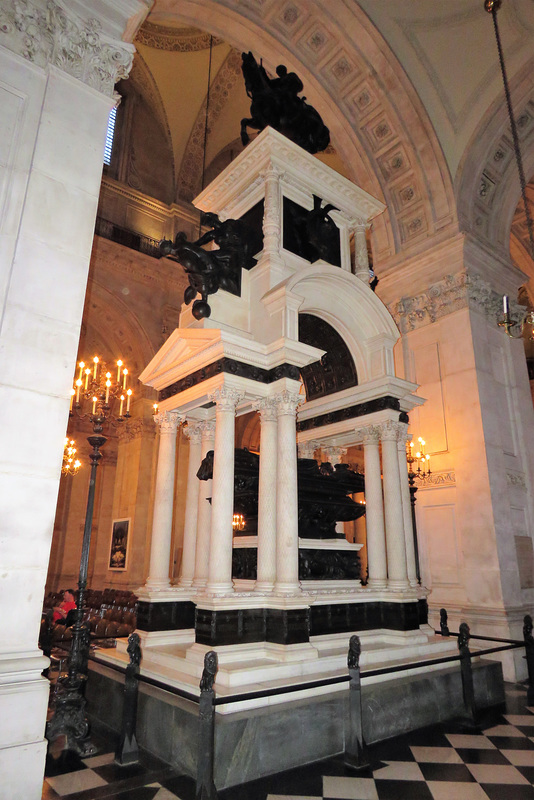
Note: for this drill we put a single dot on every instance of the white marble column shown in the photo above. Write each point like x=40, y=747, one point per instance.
x=193, y=431
x=393, y=513
x=287, y=540
x=160, y=544
x=374, y=511
x=406, y=505
x=272, y=217
x=205, y=490
x=222, y=504
x=267, y=495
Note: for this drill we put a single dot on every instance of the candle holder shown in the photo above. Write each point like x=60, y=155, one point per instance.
x=523, y=324
x=71, y=464
x=94, y=385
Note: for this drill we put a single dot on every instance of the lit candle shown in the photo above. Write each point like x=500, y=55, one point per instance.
x=119, y=365
x=87, y=373
x=155, y=407
x=82, y=365
x=125, y=374
x=505, y=303
x=72, y=393
x=108, y=384
x=95, y=401
x=122, y=403
x=129, y=393
x=95, y=360
x=78, y=384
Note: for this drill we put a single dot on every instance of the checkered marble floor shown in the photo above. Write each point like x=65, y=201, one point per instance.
x=443, y=762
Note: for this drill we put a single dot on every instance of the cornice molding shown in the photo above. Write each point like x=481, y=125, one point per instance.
x=46, y=33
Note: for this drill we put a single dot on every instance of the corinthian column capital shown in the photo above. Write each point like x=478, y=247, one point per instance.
x=77, y=38
x=167, y=421
x=226, y=398
x=288, y=402
x=267, y=408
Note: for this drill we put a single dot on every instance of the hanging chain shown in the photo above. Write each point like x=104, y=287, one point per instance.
x=492, y=6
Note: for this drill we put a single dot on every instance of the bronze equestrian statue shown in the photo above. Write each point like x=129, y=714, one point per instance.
x=276, y=102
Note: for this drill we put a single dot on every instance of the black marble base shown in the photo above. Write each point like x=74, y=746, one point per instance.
x=243, y=626
x=171, y=616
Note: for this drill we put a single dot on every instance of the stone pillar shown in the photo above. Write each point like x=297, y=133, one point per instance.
x=160, y=545
x=59, y=65
x=204, y=511
x=361, y=255
x=222, y=504
x=393, y=511
x=406, y=505
x=374, y=511
x=193, y=431
x=267, y=495
x=287, y=541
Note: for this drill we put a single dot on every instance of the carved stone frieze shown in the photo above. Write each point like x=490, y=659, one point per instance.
x=48, y=33
x=447, y=478
x=444, y=297
x=135, y=429
x=175, y=40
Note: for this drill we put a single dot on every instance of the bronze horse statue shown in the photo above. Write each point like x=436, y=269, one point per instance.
x=276, y=102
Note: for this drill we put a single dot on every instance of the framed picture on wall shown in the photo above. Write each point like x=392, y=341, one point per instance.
x=118, y=551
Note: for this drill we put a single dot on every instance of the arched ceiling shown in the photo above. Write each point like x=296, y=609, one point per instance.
x=402, y=86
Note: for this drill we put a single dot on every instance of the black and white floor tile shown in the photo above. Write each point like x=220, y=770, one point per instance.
x=444, y=762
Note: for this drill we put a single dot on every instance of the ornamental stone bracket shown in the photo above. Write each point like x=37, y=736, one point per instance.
x=446, y=296
x=49, y=32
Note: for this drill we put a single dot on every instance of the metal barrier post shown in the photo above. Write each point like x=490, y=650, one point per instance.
x=355, y=748
x=467, y=672
x=127, y=751
x=206, y=789
x=529, y=653
x=443, y=622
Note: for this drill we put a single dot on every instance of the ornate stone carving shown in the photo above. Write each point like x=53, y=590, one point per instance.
x=52, y=35
x=226, y=398
x=516, y=479
x=175, y=40
x=371, y=434
x=167, y=421
x=439, y=479
x=267, y=408
x=288, y=402
x=135, y=429
x=193, y=431
x=391, y=431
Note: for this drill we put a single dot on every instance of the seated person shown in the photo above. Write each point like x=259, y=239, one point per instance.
x=67, y=604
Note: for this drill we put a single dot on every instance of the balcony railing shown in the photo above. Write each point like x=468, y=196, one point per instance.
x=132, y=239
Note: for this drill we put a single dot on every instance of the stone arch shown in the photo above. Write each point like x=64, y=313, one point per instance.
x=119, y=331
x=379, y=125
x=487, y=184
x=354, y=311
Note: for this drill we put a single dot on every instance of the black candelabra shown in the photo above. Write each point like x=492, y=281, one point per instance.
x=95, y=386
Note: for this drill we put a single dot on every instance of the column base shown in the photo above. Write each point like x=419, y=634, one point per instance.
x=219, y=589
x=265, y=587
x=287, y=589
x=156, y=586
x=398, y=585
x=377, y=583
